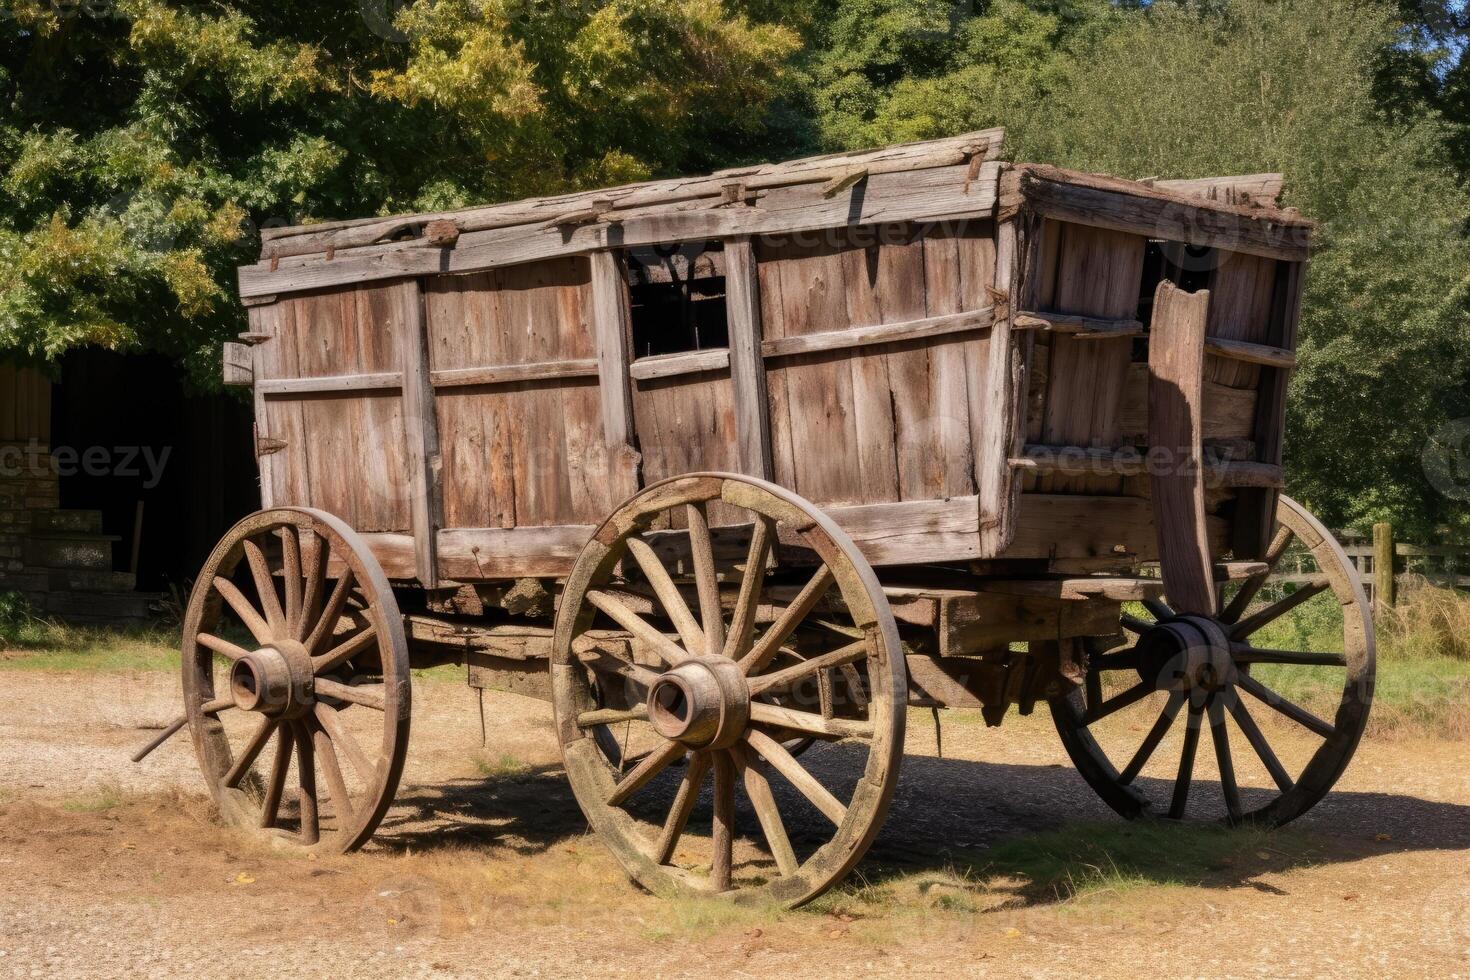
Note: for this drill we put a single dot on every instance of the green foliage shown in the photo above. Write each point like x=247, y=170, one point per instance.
x=1203, y=88
x=144, y=142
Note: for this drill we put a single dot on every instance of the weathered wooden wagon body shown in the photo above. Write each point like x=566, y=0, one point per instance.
x=943, y=411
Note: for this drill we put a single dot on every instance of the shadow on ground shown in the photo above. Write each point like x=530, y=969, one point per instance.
x=1040, y=827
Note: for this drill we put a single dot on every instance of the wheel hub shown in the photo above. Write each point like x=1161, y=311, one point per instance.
x=1188, y=654
x=703, y=702
x=274, y=680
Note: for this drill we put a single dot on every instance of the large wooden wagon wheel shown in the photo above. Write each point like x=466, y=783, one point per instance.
x=322, y=683
x=808, y=647
x=1194, y=672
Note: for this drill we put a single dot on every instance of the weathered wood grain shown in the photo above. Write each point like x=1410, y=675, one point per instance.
x=747, y=367
x=1176, y=428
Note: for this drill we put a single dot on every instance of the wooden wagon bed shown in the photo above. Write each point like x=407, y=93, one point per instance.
x=475, y=390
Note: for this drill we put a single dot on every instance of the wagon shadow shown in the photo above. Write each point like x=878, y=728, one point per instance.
x=1038, y=830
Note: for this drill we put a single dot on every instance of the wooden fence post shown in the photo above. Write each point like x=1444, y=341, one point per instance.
x=1383, y=589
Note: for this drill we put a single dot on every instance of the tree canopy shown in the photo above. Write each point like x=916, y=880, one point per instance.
x=143, y=143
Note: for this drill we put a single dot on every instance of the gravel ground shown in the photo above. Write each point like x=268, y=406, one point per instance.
x=112, y=869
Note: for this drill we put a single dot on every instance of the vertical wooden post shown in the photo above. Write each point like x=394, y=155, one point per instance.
x=747, y=366
x=1383, y=556
x=421, y=429
x=610, y=329
x=992, y=457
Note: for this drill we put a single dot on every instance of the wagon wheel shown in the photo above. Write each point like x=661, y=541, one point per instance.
x=814, y=632
x=322, y=680
x=1207, y=672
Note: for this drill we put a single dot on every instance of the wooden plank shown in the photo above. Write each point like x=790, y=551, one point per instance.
x=237, y=366
x=1079, y=326
x=1263, y=354
x=334, y=384
x=1242, y=288
x=673, y=365
x=747, y=368
x=1077, y=526
x=349, y=234
x=1176, y=428
x=882, y=333
x=421, y=433
x=610, y=325
x=501, y=374
x=1256, y=510
x=944, y=192
x=482, y=554
x=1132, y=208
x=1098, y=275
x=1262, y=190
x=1077, y=461
x=992, y=457
x=913, y=532
x=1230, y=413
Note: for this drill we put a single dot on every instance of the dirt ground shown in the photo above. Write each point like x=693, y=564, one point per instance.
x=485, y=866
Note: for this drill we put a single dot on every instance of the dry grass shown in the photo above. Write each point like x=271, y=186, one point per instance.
x=1427, y=622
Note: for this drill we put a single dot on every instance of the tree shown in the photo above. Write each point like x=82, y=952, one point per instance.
x=1340, y=95
x=143, y=142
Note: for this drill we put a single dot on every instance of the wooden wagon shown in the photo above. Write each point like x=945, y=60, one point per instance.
x=753, y=462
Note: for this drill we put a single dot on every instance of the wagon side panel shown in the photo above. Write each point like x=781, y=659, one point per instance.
x=899, y=389
x=514, y=367
x=330, y=415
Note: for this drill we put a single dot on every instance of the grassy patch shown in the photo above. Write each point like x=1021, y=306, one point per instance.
x=688, y=917
x=105, y=797
x=54, y=647
x=501, y=767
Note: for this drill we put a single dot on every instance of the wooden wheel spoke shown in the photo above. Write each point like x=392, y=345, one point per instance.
x=706, y=581
x=684, y=800
x=331, y=722
x=276, y=785
x=1118, y=702
x=1221, y=737
x=265, y=588
x=1262, y=747
x=1244, y=653
x=1277, y=609
x=1270, y=698
x=311, y=830
x=653, y=764
x=807, y=722
x=806, y=784
x=291, y=573
x=668, y=595
x=742, y=620
x=612, y=716
x=1251, y=586
x=1135, y=625
x=326, y=625
x=220, y=646
x=668, y=651
x=368, y=695
x=327, y=662
x=250, y=754
x=790, y=675
x=723, y=836
x=1158, y=609
x=758, y=788
x=1121, y=660
x=1186, y=765
x=254, y=621
x=604, y=660
x=1153, y=738
x=314, y=556
x=332, y=769
x=771, y=640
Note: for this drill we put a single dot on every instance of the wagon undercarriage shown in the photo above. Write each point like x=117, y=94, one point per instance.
x=733, y=468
